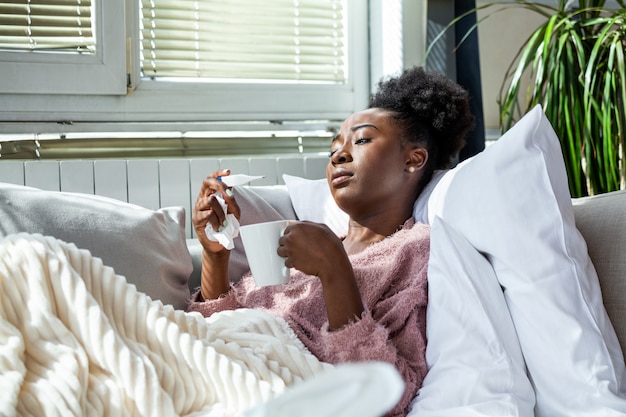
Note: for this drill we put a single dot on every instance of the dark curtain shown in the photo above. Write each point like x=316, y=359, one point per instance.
x=468, y=74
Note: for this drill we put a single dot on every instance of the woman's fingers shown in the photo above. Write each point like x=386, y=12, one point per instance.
x=212, y=184
x=209, y=210
x=307, y=246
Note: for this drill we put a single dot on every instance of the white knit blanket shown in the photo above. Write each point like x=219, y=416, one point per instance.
x=78, y=340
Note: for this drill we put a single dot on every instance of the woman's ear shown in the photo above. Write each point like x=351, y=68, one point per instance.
x=417, y=158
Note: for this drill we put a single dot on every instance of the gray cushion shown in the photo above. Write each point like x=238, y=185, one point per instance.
x=602, y=221
x=147, y=247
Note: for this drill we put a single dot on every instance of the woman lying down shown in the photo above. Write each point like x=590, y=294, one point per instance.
x=77, y=340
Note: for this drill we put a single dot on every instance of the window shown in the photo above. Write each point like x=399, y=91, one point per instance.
x=301, y=40
x=165, y=61
x=56, y=46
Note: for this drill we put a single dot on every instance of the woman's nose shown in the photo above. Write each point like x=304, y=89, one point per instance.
x=340, y=156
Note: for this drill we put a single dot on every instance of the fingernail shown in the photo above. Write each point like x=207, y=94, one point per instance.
x=225, y=223
x=229, y=192
x=220, y=229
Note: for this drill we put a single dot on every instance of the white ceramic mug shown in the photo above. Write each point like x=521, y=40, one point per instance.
x=260, y=242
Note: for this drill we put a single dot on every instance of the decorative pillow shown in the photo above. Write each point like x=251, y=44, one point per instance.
x=511, y=202
x=475, y=365
x=312, y=201
x=146, y=246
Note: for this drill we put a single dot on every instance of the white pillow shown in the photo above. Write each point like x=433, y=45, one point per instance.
x=312, y=201
x=511, y=202
x=148, y=247
x=306, y=196
x=420, y=208
x=475, y=365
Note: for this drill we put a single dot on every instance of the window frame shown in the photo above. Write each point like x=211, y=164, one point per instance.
x=161, y=101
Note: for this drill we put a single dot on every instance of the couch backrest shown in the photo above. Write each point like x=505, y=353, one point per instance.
x=602, y=221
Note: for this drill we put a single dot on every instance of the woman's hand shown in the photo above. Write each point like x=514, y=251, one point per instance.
x=215, y=257
x=208, y=210
x=311, y=248
x=315, y=250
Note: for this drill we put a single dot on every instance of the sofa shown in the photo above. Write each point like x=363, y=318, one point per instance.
x=601, y=220
x=556, y=264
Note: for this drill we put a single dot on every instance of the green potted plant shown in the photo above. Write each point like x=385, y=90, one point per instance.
x=576, y=65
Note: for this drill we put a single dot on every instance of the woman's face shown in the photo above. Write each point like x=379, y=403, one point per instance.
x=369, y=165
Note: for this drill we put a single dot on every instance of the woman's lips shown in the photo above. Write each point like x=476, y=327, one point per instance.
x=340, y=178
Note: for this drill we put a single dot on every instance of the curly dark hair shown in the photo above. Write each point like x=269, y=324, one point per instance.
x=431, y=109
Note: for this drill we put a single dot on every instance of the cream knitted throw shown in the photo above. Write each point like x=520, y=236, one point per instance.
x=78, y=340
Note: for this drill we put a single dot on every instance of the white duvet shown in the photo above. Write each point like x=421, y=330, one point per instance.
x=76, y=339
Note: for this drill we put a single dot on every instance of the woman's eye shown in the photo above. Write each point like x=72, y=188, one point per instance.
x=332, y=152
x=361, y=141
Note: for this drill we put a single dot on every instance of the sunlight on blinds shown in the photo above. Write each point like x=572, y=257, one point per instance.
x=288, y=40
x=47, y=25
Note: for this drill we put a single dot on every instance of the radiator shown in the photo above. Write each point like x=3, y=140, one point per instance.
x=153, y=183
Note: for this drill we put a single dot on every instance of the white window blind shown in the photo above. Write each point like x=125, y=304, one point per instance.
x=43, y=25
x=289, y=40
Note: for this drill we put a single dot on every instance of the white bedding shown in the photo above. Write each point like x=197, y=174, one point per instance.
x=76, y=339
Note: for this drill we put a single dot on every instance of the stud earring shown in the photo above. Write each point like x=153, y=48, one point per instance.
x=411, y=169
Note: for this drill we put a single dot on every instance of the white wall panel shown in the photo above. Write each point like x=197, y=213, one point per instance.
x=266, y=167
x=175, y=189
x=77, y=176
x=42, y=174
x=12, y=172
x=143, y=182
x=200, y=169
x=110, y=179
x=315, y=167
x=236, y=165
x=290, y=166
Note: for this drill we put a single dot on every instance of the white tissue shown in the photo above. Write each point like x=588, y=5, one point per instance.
x=227, y=235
